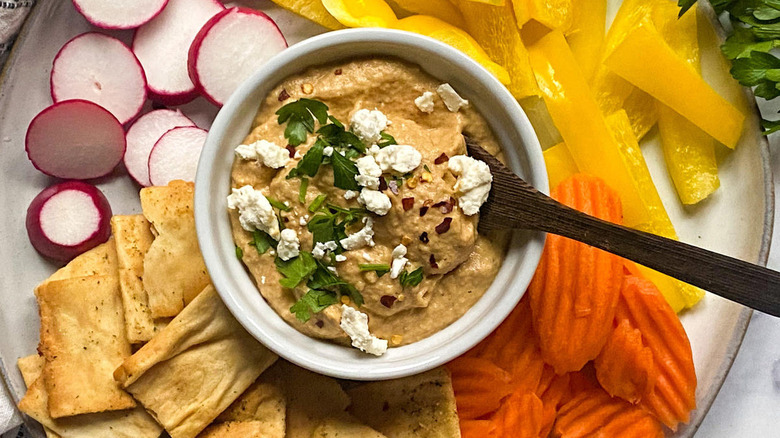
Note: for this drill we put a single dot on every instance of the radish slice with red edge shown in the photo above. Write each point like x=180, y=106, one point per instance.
x=142, y=136
x=101, y=69
x=119, y=14
x=162, y=46
x=176, y=155
x=67, y=219
x=215, y=67
x=75, y=139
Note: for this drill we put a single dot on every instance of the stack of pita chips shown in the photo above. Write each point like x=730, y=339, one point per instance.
x=135, y=340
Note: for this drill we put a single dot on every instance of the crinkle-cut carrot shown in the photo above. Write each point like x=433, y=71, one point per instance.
x=625, y=367
x=479, y=386
x=553, y=390
x=478, y=429
x=674, y=395
x=515, y=348
x=575, y=289
x=520, y=415
x=594, y=414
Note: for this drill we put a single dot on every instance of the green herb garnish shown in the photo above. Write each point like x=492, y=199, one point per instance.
x=239, y=252
x=323, y=278
x=338, y=137
x=427, y=169
x=344, y=172
x=380, y=268
x=299, y=116
x=386, y=140
x=317, y=203
x=278, y=204
x=311, y=161
x=302, y=190
x=411, y=278
x=296, y=270
x=314, y=301
x=331, y=223
x=262, y=241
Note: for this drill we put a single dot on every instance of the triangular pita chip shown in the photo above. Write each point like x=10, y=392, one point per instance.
x=194, y=368
x=345, y=427
x=100, y=260
x=174, y=271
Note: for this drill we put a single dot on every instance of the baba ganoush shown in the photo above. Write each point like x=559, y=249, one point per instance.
x=355, y=207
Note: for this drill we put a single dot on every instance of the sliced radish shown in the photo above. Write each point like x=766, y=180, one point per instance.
x=142, y=136
x=75, y=139
x=119, y=14
x=101, y=69
x=162, y=46
x=67, y=219
x=230, y=48
x=176, y=155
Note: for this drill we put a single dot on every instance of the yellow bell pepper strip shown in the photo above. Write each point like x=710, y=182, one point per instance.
x=311, y=10
x=581, y=124
x=457, y=38
x=495, y=29
x=442, y=9
x=587, y=33
x=679, y=295
x=645, y=60
x=361, y=13
x=541, y=121
x=555, y=14
x=560, y=164
x=690, y=156
x=490, y=2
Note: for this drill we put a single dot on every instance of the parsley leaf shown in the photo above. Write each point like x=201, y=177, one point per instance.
x=311, y=161
x=759, y=69
x=770, y=126
x=411, y=278
x=742, y=42
x=338, y=137
x=322, y=227
x=296, y=270
x=278, y=204
x=380, y=268
x=299, y=116
x=323, y=278
x=344, y=172
x=302, y=190
x=262, y=241
x=314, y=301
x=239, y=252
x=386, y=140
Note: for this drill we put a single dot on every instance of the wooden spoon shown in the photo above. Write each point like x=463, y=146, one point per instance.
x=513, y=203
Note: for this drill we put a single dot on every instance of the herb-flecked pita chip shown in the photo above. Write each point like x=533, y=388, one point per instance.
x=133, y=236
x=134, y=423
x=174, y=271
x=83, y=341
x=346, y=427
x=100, y=260
x=195, y=367
x=420, y=406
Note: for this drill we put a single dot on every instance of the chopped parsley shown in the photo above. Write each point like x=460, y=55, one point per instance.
x=331, y=223
x=278, y=204
x=314, y=301
x=338, y=137
x=386, y=140
x=239, y=252
x=311, y=161
x=302, y=190
x=344, y=172
x=317, y=203
x=296, y=270
x=299, y=116
x=323, y=278
x=380, y=268
x=411, y=278
x=262, y=241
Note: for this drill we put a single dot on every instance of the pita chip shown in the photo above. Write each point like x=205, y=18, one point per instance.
x=83, y=341
x=174, y=271
x=311, y=398
x=135, y=423
x=345, y=427
x=133, y=237
x=100, y=260
x=195, y=367
x=420, y=406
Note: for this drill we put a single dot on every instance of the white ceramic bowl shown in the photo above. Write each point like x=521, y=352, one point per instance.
x=235, y=285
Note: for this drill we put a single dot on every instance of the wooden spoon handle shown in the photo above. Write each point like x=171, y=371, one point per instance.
x=745, y=283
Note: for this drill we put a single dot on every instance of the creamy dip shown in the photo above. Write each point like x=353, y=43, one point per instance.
x=457, y=263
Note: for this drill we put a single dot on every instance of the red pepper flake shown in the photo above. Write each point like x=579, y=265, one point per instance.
x=337, y=72
x=387, y=300
x=432, y=261
x=291, y=150
x=393, y=185
x=382, y=184
x=424, y=237
x=443, y=158
x=284, y=95
x=444, y=226
x=425, y=207
x=408, y=203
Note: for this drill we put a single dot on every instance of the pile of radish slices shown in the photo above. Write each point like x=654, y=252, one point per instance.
x=181, y=49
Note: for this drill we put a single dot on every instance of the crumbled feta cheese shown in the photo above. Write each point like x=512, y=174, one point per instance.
x=262, y=279
x=289, y=245
x=369, y=172
x=399, y=261
x=398, y=158
x=364, y=237
x=327, y=151
x=341, y=257
x=451, y=98
x=375, y=201
x=473, y=184
x=332, y=269
x=425, y=102
x=350, y=194
x=355, y=325
x=322, y=249
x=373, y=150
x=302, y=221
x=269, y=153
x=368, y=125
x=255, y=212
x=366, y=256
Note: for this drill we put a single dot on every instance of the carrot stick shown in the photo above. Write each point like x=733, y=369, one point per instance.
x=625, y=368
x=593, y=413
x=520, y=415
x=479, y=386
x=574, y=292
x=478, y=429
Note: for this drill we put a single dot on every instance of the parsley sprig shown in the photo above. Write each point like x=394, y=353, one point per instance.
x=411, y=278
x=330, y=223
x=756, y=25
x=299, y=116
